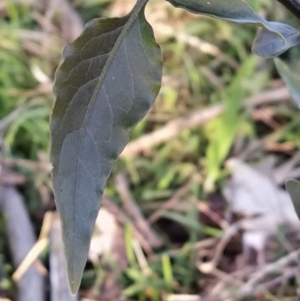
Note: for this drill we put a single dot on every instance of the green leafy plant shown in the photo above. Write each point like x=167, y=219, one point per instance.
x=107, y=82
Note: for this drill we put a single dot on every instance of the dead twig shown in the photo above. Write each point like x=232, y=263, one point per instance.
x=11, y=178
x=135, y=213
x=172, y=202
x=230, y=280
x=171, y=129
x=275, y=282
x=167, y=31
x=36, y=250
x=123, y=219
x=257, y=277
x=197, y=118
x=228, y=233
x=267, y=97
x=28, y=164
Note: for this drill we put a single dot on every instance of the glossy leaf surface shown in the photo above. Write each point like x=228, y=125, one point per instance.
x=107, y=82
x=291, y=79
x=273, y=39
x=231, y=10
x=293, y=188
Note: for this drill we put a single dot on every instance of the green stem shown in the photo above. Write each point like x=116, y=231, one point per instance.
x=293, y=6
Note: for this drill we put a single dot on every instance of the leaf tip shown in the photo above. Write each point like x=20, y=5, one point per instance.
x=74, y=286
x=74, y=280
x=76, y=258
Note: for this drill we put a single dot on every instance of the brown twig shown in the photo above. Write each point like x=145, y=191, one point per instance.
x=230, y=280
x=134, y=212
x=171, y=129
x=172, y=202
x=197, y=118
x=286, y=275
x=279, y=265
x=209, y=266
x=28, y=164
x=123, y=219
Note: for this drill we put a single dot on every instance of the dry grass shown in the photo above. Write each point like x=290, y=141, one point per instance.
x=165, y=231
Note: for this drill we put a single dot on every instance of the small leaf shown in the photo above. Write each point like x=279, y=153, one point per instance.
x=268, y=44
x=231, y=10
x=291, y=79
x=107, y=82
x=293, y=188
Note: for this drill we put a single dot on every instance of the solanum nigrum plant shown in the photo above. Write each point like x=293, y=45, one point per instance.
x=107, y=82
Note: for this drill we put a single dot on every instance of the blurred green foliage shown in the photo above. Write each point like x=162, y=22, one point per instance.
x=194, y=158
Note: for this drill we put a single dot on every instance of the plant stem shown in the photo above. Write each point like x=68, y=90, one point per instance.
x=293, y=6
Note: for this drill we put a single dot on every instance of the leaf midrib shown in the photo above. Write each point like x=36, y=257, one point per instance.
x=134, y=14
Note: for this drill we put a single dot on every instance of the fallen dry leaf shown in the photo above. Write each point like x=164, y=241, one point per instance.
x=253, y=194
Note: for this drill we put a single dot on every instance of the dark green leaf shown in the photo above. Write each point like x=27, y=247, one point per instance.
x=231, y=10
x=268, y=44
x=293, y=188
x=291, y=79
x=107, y=82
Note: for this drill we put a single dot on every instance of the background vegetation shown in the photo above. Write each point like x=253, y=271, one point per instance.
x=166, y=231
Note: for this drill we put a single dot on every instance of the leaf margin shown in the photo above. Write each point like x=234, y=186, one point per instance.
x=74, y=280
